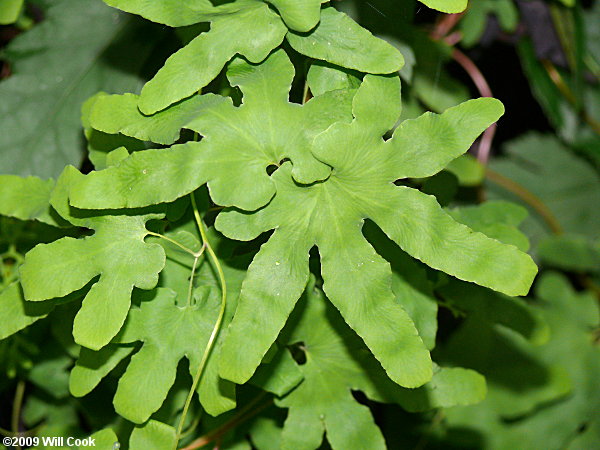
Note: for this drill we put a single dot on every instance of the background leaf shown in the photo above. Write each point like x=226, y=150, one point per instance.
x=82, y=46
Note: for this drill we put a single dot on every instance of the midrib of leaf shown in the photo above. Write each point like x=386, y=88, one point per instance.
x=51, y=117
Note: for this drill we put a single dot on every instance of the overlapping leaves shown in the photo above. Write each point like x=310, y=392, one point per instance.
x=170, y=330
x=330, y=215
x=534, y=399
x=239, y=142
x=251, y=29
x=337, y=362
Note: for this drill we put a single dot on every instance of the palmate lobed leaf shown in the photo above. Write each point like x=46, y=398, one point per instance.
x=239, y=142
x=337, y=363
x=251, y=29
x=340, y=40
x=16, y=312
x=170, y=330
x=116, y=252
x=169, y=333
x=330, y=215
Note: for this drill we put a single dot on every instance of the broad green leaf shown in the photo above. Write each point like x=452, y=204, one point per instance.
x=446, y=6
x=153, y=435
x=82, y=46
x=120, y=257
x=410, y=284
x=572, y=317
x=27, y=199
x=571, y=252
x=50, y=371
x=299, y=15
x=239, y=142
x=280, y=375
x=252, y=31
x=341, y=41
x=17, y=313
x=141, y=392
x=518, y=379
x=337, y=363
x=330, y=215
x=10, y=10
x=169, y=333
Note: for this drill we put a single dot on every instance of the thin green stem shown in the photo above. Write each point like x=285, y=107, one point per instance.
x=216, y=328
x=191, y=285
x=17, y=405
x=181, y=246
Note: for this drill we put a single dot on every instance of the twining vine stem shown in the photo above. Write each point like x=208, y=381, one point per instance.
x=216, y=328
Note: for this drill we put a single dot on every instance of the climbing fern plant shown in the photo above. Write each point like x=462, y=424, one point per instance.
x=280, y=125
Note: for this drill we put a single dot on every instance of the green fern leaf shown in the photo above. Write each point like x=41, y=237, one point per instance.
x=330, y=215
x=169, y=333
x=116, y=252
x=337, y=363
x=340, y=40
x=239, y=142
x=251, y=30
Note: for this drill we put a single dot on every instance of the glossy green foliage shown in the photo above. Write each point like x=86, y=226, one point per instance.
x=169, y=332
x=194, y=66
x=354, y=48
x=82, y=52
x=249, y=28
x=121, y=258
x=330, y=215
x=571, y=252
x=240, y=142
